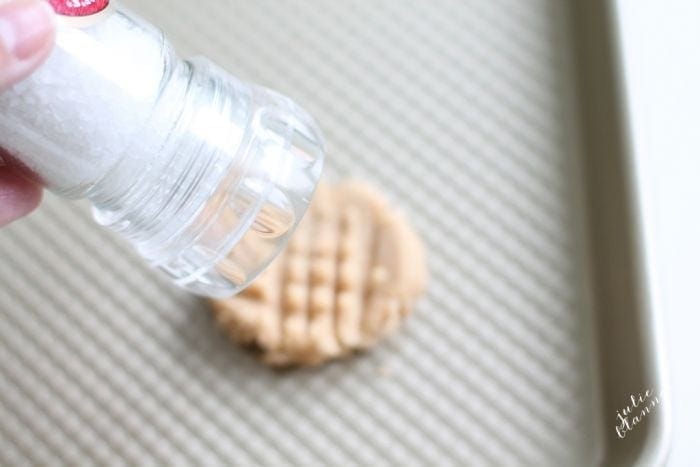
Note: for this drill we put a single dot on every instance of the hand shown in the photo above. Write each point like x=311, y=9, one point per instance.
x=26, y=39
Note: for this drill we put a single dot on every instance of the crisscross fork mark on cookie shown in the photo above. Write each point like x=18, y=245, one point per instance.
x=349, y=275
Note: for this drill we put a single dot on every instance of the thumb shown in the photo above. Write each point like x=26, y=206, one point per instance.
x=27, y=29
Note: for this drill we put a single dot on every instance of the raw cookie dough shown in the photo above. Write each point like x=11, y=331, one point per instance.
x=350, y=274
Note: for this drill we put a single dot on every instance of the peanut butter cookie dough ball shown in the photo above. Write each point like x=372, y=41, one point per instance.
x=349, y=276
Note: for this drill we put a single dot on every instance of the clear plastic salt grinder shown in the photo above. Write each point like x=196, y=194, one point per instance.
x=205, y=175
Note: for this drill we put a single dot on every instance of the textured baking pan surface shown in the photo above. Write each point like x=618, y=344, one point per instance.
x=466, y=113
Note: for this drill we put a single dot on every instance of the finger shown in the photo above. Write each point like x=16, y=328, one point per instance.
x=27, y=29
x=18, y=195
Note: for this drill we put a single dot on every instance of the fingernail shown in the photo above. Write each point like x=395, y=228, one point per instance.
x=25, y=26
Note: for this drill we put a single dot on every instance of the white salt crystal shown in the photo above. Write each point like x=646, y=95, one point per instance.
x=72, y=120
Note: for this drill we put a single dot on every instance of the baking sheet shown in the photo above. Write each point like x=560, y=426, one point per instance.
x=466, y=114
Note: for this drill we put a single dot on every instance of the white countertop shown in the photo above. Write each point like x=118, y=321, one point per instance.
x=661, y=42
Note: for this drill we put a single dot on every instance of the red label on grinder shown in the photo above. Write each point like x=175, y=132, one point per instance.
x=78, y=8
